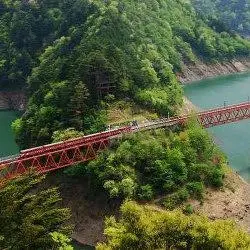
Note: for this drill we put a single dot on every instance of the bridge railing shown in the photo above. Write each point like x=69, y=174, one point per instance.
x=10, y=157
x=106, y=135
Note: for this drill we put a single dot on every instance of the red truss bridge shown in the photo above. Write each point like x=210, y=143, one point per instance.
x=59, y=155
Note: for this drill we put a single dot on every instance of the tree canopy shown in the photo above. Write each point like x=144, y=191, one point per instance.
x=69, y=55
x=144, y=166
x=32, y=219
x=145, y=227
x=133, y=49
x=226, y=15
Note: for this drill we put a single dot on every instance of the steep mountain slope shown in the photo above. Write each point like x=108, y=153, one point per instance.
x=84, y=57
x=130, y=48
x=235, y=15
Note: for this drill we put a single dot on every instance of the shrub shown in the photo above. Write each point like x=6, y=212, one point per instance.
x=195, y=189
x=216, y=177
x=144, y=227
x=145, y=165
x=188, y=209
x=146, y=192
x=171, y=201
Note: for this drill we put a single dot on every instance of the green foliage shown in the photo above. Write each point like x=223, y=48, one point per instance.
x=175, y=199
x=143, y=227
x=163, y=100
x=28, y=216
x=63, y=135
x=195, y=189
x=145, y=165
x=204, y=172
x=67, y=51
x=61, y=242
x=24, y=29
x=146, y=192
x=225, y=14
x=188, y=209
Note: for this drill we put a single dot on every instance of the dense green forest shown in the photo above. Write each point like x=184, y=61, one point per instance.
x=76, y=58
x=148, y=165
x=72, y=49
x=233, y=15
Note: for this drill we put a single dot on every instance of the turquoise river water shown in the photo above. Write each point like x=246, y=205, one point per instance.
x=234, y=138
x=7, y=142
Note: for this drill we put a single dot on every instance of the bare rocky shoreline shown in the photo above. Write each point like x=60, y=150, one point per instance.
x=233, y=200
x=202, y=70
x=230, y=202
x=13, y=100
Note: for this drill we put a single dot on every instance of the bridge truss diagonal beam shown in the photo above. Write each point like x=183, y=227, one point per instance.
x=55, y=156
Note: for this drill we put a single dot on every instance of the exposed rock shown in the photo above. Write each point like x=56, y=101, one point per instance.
x=88, y=207
x=231, y=202
x=202, y=70
x=15, y=100
x=188, y=107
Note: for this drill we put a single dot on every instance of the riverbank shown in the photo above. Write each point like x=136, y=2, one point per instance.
x=202, y=70
x=230, y=202
x=188, y=107
x=89, y=209
x=233, y=200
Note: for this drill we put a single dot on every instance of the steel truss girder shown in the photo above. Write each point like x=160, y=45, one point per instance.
x=43, y=163
x=55, y=156
x=225, y=115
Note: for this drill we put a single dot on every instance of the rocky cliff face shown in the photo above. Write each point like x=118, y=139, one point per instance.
x=12, y=100
x=202, y=70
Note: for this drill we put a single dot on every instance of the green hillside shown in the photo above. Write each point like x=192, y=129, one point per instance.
x=82, y=64
x=233, y=15
x=133, y=48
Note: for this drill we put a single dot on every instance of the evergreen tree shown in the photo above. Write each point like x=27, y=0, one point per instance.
x=78, y=106
x=30, y=218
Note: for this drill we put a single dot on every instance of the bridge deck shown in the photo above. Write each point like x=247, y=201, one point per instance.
x=62, y=154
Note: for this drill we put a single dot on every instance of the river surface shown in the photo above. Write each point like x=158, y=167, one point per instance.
x=7, y=142
x=234, y=138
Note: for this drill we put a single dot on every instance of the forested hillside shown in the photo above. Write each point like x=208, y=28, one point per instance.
x=66, y=52
x=233, y=15
x=79, y=59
